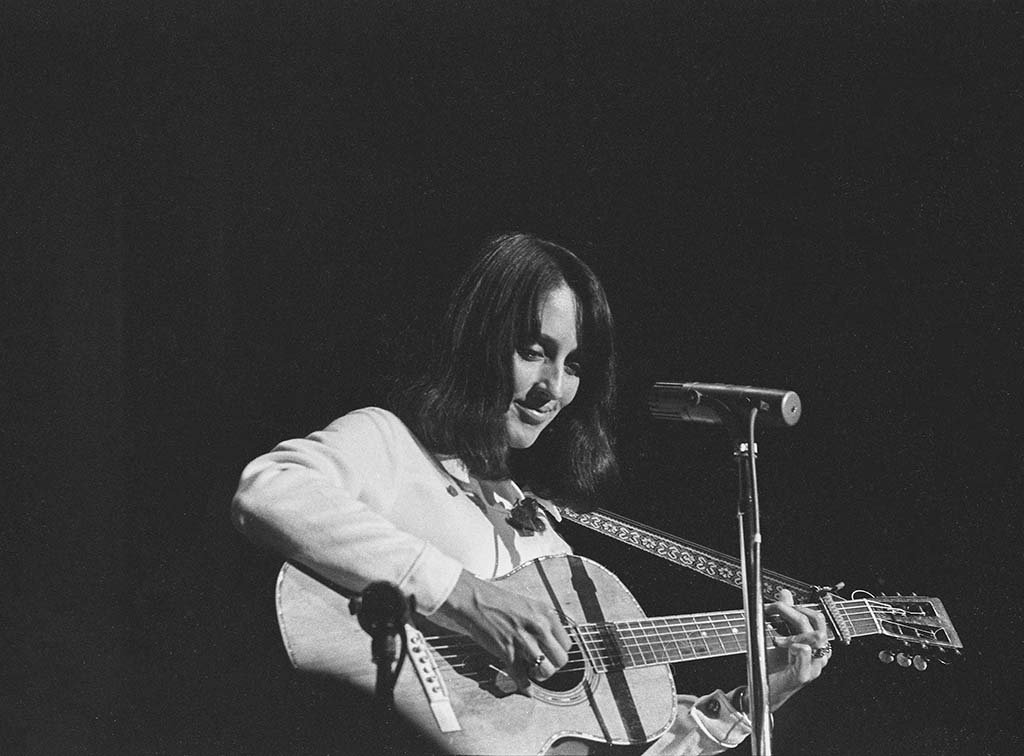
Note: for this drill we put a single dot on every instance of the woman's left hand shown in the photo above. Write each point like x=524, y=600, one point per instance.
x=799, y=658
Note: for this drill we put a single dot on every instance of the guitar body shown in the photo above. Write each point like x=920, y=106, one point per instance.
x=632, y=705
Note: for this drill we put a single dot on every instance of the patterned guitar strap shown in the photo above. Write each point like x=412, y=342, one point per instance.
x=693, y=556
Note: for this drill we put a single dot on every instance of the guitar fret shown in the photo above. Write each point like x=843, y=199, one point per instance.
x=681, y=642
x=663, y=640
x=604, y=645
x=863, y=619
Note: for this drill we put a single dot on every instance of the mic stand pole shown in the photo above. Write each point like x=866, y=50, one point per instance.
x=384, y=652
x=748, y=513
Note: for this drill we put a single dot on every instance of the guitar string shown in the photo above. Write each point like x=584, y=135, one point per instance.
x=645, y=645
x=730, y=618
x=648, y=632
x=635, y=639
x=595, y=639
x=623, y=638
x=638, y=638
x=603, y=660
x=670, y=626
x=603, y=663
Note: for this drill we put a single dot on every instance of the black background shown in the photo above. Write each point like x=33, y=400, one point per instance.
x=224, y=218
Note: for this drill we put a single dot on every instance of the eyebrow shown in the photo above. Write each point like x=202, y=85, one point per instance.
x=547, y=341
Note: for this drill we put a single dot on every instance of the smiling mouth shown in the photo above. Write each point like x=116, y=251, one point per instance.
x=534, y=416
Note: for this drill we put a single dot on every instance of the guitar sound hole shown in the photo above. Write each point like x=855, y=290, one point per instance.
x=569, y=676
x=562, y=681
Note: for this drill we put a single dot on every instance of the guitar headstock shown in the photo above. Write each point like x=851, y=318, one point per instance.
x=920, y=627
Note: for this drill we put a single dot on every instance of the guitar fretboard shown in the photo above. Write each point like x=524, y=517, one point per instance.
x=639, y=643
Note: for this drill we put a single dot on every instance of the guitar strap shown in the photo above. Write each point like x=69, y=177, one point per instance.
x=693, y=556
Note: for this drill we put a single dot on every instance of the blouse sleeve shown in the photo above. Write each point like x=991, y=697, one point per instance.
x=704, y=725
x=321, y=501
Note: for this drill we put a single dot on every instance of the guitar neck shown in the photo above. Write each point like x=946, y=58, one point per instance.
x=666, y=640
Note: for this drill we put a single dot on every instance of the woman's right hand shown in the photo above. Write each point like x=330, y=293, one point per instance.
x=516, y=629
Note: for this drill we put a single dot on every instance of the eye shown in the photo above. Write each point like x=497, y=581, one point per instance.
x=532, y=353
x=573, y=368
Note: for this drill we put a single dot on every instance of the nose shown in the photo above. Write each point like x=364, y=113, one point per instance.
x=552, y=380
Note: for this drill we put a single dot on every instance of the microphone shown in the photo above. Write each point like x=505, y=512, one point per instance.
x=382, y=610
x=712, y=403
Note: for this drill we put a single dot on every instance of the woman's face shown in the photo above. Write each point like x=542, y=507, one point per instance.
x=545, y=374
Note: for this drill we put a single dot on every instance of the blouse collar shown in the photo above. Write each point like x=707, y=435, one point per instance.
x=458, y=470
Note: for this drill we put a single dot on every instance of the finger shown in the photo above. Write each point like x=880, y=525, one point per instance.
x=800, y=654
x=553, y=640
x=818, y=631
x=806, y=665
x=554, y=652
x=540, y=667
x=771, y=610
x=817, y=642
x=821, y=655
x=817, y=620
x=815, y=616
x=800, y=660
x=561, y=635
x=774, y=611
x=801, y=619
x=788, y=620
x=801, y=663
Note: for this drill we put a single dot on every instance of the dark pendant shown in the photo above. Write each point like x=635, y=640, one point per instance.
x=525, y=517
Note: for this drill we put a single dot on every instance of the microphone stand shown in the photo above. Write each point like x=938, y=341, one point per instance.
x=748, y=513
x=383, y=611
x=384, y=651
x=722, y=404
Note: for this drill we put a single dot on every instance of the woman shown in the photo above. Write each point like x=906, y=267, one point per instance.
x=521, y=386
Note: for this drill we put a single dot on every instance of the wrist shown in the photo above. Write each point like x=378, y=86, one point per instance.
x=460, y=603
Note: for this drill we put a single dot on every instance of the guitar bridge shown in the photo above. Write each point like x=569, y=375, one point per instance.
x=430, y=678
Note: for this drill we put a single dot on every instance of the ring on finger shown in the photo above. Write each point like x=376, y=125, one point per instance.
x=538, y=661
x=825, y=650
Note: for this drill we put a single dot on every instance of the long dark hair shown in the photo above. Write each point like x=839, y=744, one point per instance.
x=457, y=407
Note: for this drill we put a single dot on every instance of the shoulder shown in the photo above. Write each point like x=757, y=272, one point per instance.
x=369, y=418
x=372, y=424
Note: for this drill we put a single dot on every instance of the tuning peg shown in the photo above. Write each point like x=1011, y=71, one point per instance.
x=903, y=659
x=920, y=663
x=886, y=657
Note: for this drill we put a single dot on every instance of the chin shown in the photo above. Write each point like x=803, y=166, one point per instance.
x=521, y=440
x=523, y=437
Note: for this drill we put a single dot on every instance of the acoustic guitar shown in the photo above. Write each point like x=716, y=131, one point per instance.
x=617, y=686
